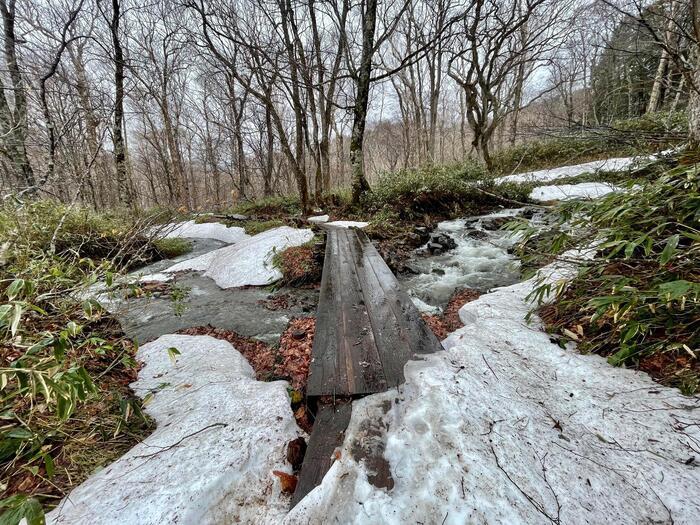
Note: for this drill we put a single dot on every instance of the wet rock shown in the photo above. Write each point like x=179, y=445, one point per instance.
x=441, y=242
x=438, y=271
x=528, y=213
x=435, y=248
x=494, y=223
x=409, y=268
x=298, y=334
x=480, y=235
x=423, y=234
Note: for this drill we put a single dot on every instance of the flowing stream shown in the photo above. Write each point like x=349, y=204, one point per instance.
x=481, y=260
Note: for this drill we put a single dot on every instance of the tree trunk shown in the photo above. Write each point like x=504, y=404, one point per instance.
x=694, y=81
x=694, y=103
x=655, y=96
x=360, y=186
x=15, y=126
x=270, y=155
x=117, y=129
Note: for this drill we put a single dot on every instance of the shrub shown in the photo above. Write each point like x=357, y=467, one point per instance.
x=64, y=366
x=255, y=227
x=299, y=265
x=642, y=135
x=278, y=206
x=443, y=190
x=638, y=300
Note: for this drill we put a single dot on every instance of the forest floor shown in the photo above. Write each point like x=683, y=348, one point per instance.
x=225, y=335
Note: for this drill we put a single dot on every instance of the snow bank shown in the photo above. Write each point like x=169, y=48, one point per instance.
x=617, y=164
x=348, y=224
x=220, y=434
x=506, y=427
x=585, y=190
x=318, y=219
x=249, y=262
x=206, y=230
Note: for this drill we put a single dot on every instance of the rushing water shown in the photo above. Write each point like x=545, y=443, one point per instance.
x=480, y=261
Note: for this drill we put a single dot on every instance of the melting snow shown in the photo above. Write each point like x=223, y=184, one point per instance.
x=206, y=230
x=348, y=224
x=585, y=190
x=220, y=434
x=249, y=262
x=318, y=219
x=507, y=427
x=618, y=164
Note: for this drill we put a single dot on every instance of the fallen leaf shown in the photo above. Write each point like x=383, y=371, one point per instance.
x=288, y=482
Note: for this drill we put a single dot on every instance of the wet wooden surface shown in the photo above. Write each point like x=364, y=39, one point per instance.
x=367, y=327
x=329, y=431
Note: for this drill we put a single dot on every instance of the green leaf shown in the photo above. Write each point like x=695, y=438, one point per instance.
x=21, y=507
x=16, y=318
x=49, y=464
x=15, y=288
x=73, y=328
x=173, y=353
x=621, y=356
x=669, y=249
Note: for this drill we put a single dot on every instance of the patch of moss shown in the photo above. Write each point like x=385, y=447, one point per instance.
x=255, y=227
x=171, y=248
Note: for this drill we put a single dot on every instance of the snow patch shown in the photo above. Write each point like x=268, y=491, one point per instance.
x=249, y=262
x=318, y=219
x=348, y=224
x=205, y=230
x=507, y=427
x=584, y=190
x=220, y=434
x=617, y=164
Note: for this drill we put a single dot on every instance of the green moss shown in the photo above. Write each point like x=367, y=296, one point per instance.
x=255, y=227
x=171, y=248
x=269, y=206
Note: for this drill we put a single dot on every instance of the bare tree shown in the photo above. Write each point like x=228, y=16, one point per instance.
x=13, y=103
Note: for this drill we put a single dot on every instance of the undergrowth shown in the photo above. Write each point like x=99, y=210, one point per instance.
x=300, y=265
x=444, y=190
x=173, y=247
x=646, y=134
x=637, y=301
x=65, y=367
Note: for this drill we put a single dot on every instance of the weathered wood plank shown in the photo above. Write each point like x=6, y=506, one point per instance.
x=392, y=344
x=323, y=375
x=421, y=339
x=362, y=363
x=367, y=327
x=328, y=434
x=343, y=329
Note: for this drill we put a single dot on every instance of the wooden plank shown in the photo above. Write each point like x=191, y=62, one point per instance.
x=322, y=372
x=421, y=340
x=328, y=434
x=343, y=329
x=392, y=344
x=359, y=349
x=367, y=327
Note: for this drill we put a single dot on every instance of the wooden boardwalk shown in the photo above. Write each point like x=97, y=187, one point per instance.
x=367, y=328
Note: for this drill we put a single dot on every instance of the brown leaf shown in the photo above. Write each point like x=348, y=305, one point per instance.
x=288, y=482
